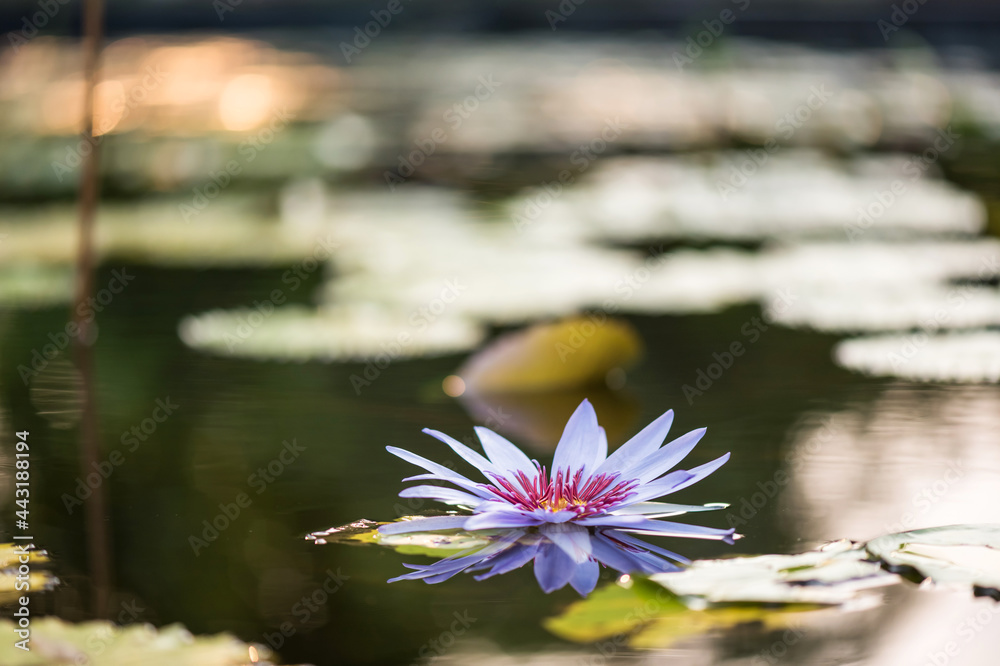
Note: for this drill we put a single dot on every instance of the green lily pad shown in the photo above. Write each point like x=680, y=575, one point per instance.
x=834, y=574
x=431, y=544
x=434, y=545
x=360, y=531
x=776, y=590
x=951, y=556
x=54, y=641
x=609, y=611
x=767, y=591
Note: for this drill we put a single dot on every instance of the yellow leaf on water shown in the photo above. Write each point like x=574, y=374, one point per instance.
x=580, y=351
x=10, y=555
x=39, y=580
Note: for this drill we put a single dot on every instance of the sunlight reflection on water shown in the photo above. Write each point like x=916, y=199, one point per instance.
x=910, y=458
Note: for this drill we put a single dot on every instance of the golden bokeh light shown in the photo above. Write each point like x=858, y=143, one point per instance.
x=453, y=386
x=246, y=102
x=109, y=106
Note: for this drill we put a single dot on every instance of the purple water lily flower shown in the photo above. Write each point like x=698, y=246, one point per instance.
x=570, y=519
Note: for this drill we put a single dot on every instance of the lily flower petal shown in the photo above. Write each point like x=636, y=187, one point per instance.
x=646, y=442
x=701, y=471
x=553, y=568
x=497, y=519
x=643, y=525
x=585, y=575
x=506, y=456
x=424, y=525
x=442, y=494
x=663, y=486
x=658, y=462
x=574, y=540
x=515, y=558
x=580, y=447
x=438, y=471
x=473, y=458
x=662, y=509
x=630, y=540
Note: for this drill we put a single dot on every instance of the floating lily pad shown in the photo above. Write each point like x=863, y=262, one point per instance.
x=431, y=544
x=647, y=616
x=432, y=256
x=32, y=285
x=487, y=272
x=54, y=641
x=912, y=307
x=230, y=231
x=360, y=531
x=39, y=580
x=697, y=281
x=340, y=333
x=834, y=574
x=799, y=193
x=952, y=556
x=769, y=591
x=823, y=266
x=963, y=356
x=579, y=351
x=774, y=589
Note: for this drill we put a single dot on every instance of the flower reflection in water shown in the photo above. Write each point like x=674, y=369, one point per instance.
x=563, y=553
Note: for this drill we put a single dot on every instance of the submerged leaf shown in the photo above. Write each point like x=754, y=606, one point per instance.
x=673, y=627
x=579, y=351
x=611, y=611
x=951, y=556
x=652, y=617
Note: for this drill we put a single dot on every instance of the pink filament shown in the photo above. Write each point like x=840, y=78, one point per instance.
x=563, y=493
